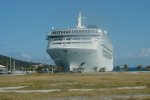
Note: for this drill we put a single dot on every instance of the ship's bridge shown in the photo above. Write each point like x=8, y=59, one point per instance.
x=76, y=32
x=74, y=38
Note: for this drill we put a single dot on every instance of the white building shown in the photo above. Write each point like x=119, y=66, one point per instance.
x=3, y=69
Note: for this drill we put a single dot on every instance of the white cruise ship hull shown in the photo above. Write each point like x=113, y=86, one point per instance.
x=89, y=58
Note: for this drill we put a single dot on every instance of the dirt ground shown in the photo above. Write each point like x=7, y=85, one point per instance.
x=106, y=97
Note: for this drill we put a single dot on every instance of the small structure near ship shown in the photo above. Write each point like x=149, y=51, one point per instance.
x=3, y=69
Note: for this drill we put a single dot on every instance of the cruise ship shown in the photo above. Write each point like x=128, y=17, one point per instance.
x=81, y=49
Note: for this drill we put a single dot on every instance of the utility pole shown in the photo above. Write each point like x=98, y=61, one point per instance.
x=10, y=64
x=52, y=70
x=14, y=66
x=7, y=67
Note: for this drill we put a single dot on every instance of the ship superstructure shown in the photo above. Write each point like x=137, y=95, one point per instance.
x=81, y=48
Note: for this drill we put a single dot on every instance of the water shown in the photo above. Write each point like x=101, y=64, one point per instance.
x=131, y=69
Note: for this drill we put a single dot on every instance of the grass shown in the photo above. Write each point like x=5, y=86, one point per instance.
x=76, y=81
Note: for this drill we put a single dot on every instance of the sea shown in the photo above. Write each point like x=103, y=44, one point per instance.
x=131, y=69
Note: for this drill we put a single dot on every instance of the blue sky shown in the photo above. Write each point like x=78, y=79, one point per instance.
x=25, y=23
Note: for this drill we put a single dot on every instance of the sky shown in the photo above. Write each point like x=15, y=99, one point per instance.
x=24, y=25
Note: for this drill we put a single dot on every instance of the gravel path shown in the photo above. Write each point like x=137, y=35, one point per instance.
x=15, y=89
x=104, y=97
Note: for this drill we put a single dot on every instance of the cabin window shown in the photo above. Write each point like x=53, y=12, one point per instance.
x=68, y=38
x=69, y=31
x=82, y=31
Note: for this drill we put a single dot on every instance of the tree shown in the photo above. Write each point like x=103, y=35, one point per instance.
x=117, y=68
x=148, y=68
x=51, y=68
x=61, y=68
x=139, y=67
x=95, y=68
x=39, y=69
x=125, y=67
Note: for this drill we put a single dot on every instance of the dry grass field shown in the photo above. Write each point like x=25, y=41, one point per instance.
x=86, y=86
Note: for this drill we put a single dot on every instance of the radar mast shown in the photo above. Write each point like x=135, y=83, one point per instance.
x=79, y=24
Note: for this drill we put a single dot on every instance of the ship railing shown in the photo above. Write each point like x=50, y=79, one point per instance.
x=71, y=34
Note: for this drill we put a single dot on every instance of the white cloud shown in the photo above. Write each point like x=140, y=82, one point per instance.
x=20, y=56
x=127, y=55
x=144, y=52
x=25, y=57
x=130, y=55
x=141, y=56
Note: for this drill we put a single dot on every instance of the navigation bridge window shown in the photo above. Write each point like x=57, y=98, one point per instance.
x=57, y=39
x=68, y=38
x=61, y=38
x=74, y=31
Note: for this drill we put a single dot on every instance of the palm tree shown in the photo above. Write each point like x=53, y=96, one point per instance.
x=118, y=68
x=39, y=69
x=125, y=67
x=139, y=67
x=95, y=68
x=148, y=68
x=60, y=68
